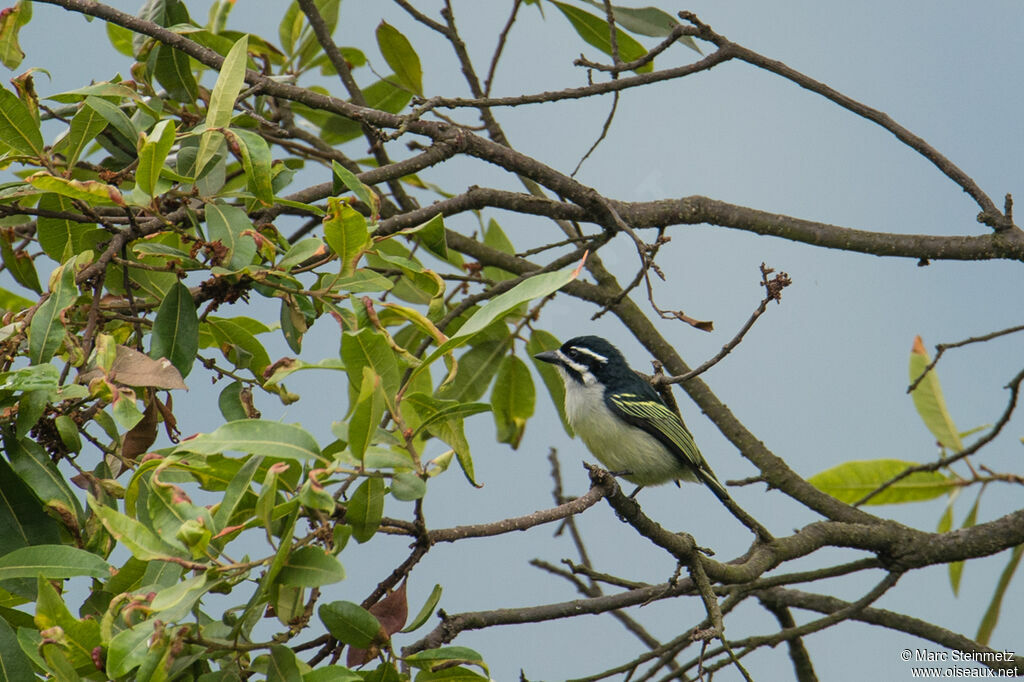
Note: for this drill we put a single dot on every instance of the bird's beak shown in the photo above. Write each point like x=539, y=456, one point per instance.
x=552, y=356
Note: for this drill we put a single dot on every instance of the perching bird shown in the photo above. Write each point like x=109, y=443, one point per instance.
x=622, y=419
x=625, y=423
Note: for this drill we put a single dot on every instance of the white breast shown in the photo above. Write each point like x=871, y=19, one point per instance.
x=616, y=444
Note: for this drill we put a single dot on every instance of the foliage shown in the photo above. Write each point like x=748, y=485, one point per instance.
x=158, y=231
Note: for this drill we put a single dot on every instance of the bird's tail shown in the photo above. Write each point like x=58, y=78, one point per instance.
x=709, y=479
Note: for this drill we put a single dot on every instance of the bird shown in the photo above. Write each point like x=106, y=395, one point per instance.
x=622, y=419
x=628, y=427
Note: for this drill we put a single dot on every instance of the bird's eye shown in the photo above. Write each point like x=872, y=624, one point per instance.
x=573, y=353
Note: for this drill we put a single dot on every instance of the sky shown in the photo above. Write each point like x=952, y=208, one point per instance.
x=820, y=379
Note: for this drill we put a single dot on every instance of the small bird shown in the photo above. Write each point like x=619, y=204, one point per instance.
x=622, y=419
x=628, y=427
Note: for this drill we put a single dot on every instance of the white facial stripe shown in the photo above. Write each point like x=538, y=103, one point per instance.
x=600, y=358
x=581, y=369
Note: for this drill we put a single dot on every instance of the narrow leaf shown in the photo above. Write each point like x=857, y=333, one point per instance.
x=153, y=151
x=400, y=56
x=513, y=400
x=256, y=162
x=427, y=611
x=229, y=84
x=53, y=562
x=18, y=129
x=46, y=331
x=257, y=436
x=345, y=231
x=991, y=617
x=594, y=30
x=176, y=329
x=11, y=21
x=851, y=481
x=366, y=509
x=353, y=183
x=929, y=401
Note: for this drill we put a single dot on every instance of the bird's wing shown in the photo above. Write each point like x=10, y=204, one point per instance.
x=662, y=423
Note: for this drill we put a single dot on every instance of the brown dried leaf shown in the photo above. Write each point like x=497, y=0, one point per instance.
x=392, y=611
x=132, y=368
x=143, y=434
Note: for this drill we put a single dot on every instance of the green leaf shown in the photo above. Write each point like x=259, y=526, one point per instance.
x=282, y=666
x=345, y=231
x=539, y=342
x=227, y=224
x=22, y=519
x=434, y=658
x=310, y=567
x=426, y=612
x=53, y=562
x=382, y=95
x=128, y=649
x=496, y=238
x=15, y=666
x=647, y=21
x=956, y=568
x=222, y=99
x=176, y=330
x=18, y=128
x=851, y=481
x=300, y=253
x=929, y=401
x=139, y=540
x=257, y=436
x=529, y=289
x=408, y=486
x=256, y=162
x=19, y=263
x=11, y=21
x=991, y=617
x=238, y=343
x=79, y=637
x=92, y=192
x=11, y=302
x=594, y=30
x=366, y=413
x=477, y=368
x=369, y=348
x=236, y=491
x=400, y=56
x=448, y=674
x=332, y=673
x=60, y=238
x=443, y=419
x=512, y=400
x=366, y=509
x=46, y=330
x=230, y=402
x=353, y=183
x=431, y=410
x=85, y=126
x=173, y=71
x=120, y=39
x=37, y=470
x=153, y=151
x=431, y=235
x=350, y=623
x=176, y=601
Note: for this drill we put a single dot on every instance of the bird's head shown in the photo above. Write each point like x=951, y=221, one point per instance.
x=589, y=360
